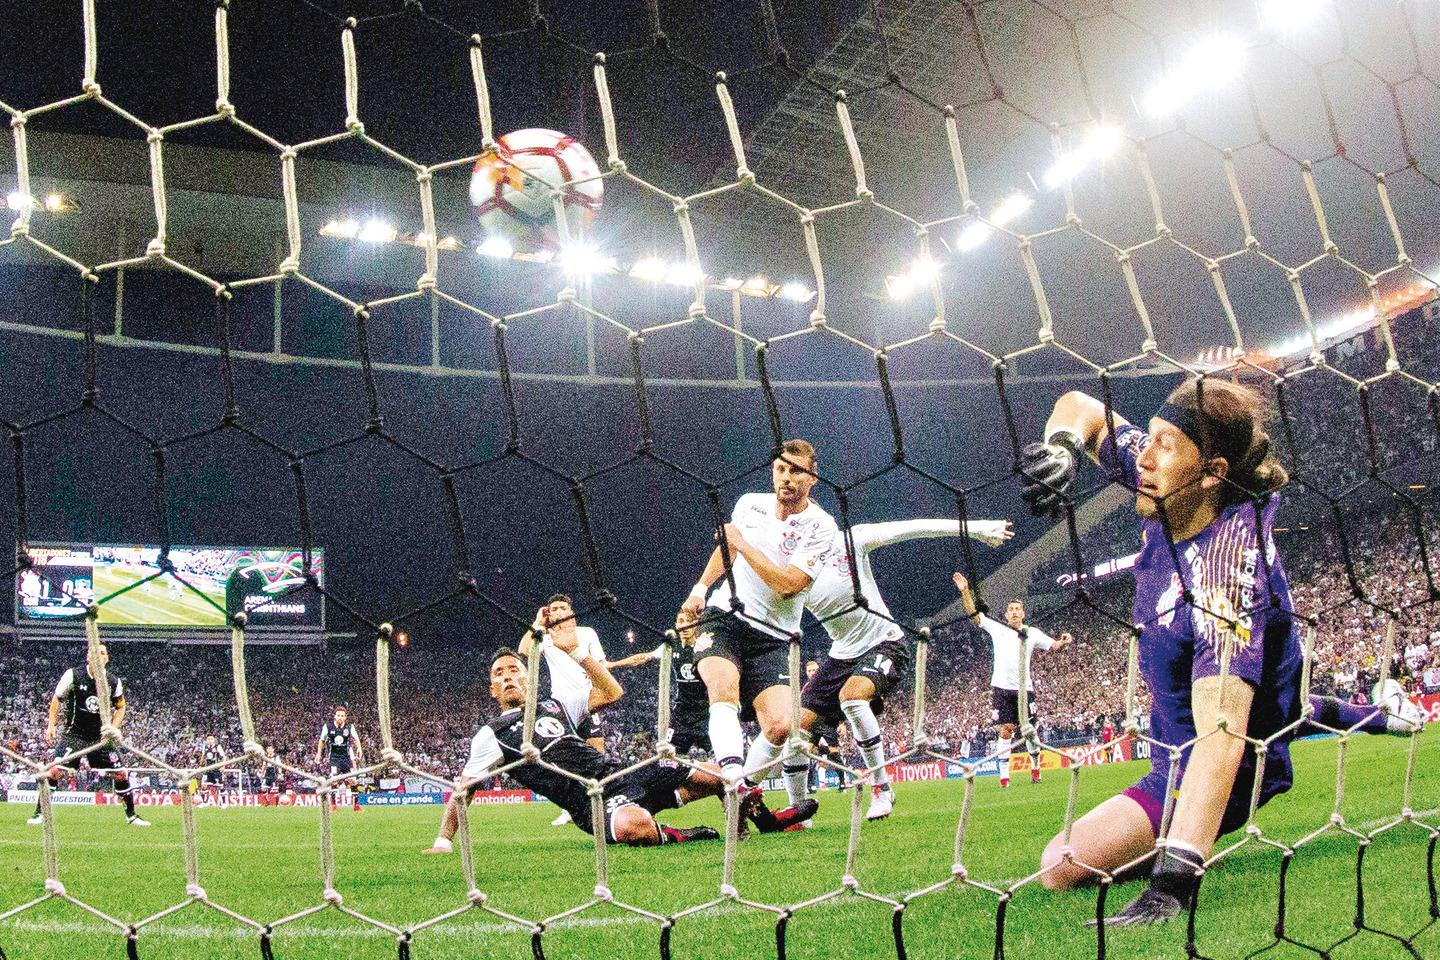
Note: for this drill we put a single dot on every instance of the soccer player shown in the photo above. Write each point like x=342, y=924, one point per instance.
x=868, y=652
x=690, y=715
x=555, y=623
x=339, y=741
x=824, y=736
x=1203, y=458
x=212, y=753
x=630, y=802
x=777, y=544
x=1005, y=672
x=77, y=699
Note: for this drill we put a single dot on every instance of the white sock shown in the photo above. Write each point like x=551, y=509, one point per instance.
x=866, y=730
x=1003, y=746
x=761, y=758
x=727, y=740
x=442, y=844
x=796, y=764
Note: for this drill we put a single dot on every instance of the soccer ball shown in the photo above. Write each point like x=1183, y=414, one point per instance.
x=512, y=185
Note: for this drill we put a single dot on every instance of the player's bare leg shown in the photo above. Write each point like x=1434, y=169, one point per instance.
x=1115, y=833
x=1003, y=743
x=855, y=697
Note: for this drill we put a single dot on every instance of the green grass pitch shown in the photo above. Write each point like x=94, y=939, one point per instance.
x=162, y=604
x=265, y=864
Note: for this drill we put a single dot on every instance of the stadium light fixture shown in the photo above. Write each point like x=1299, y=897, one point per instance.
x=899, y=286
x=1006, y=212
x=682, y=274
x=649, y=268
x=1100, y=144
x=16, y=200
x=1209, y=65
x=496, y=246
x=758, y=286
x=731, y=283
x=347, y=229
x=376, y=230
x=584, y=260
x=796, y=291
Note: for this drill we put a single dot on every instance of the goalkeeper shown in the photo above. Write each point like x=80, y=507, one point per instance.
x=1219, y=643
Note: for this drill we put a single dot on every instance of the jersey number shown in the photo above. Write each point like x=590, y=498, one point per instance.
x=883, y=664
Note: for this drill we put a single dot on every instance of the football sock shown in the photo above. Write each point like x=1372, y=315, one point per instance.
x=796, y=764
x=1003, y=747
x=727, y=739
x=761, y=758
x=866, y=730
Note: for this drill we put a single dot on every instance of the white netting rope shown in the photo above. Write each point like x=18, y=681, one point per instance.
x=432, y=280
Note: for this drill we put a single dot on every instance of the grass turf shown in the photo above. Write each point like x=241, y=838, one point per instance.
x=265, y=863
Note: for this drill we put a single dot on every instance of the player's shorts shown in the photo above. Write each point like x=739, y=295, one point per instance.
x=1149, y=790
x=825, y=735
x=211, y=777
x=1005, y=706
x=339, y=765
x=651, y=788
x=589, y=727
x=103, y=759
x=687, y=737
x=762, y=659
x=883, y=665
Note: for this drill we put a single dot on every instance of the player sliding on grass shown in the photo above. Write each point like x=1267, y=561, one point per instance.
x=1005, y=673
x=1225, y=610
x=868, y=652
x=77, y=698
x=630, y=802
x=777, y=544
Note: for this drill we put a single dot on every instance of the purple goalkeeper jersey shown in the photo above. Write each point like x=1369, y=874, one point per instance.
x=1241, y=603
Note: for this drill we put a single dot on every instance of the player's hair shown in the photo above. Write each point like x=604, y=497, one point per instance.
x=501, y=654
x=800, y=450
x=1019, y=600
x=1231, y=419
x=339, y=708
x=559, y=598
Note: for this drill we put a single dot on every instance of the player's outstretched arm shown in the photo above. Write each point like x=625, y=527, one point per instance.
x=1204, y=793
x=967, y=596
x=869, y=536
x=1077, y=426
x=634, y=660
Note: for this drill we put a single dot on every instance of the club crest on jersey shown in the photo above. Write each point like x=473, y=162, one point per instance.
x=92, y=704
x=789, y=542
x=549, y=728
x=704, y=641
x=1165, y=605
x=687, y=671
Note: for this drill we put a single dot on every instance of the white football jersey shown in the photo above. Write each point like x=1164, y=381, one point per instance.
x=568, y=681
x=802, y=540
x=1005, y=642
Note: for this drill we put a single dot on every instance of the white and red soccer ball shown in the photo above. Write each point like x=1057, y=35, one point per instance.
x=513, y=186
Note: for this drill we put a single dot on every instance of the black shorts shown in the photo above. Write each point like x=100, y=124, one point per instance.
x=826, y=735
x=651, y=788
x=883, y=664
x=340, y=764
x=687, y=737
x=211, y=776
x=589, y=728
x=103, y=759
x=1006, y=706
x=762, y=659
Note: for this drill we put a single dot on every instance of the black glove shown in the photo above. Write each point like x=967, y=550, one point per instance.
x=1173, y=883
x=1047, y=472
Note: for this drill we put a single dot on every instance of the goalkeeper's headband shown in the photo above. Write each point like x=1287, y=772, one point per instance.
x=1210, y=436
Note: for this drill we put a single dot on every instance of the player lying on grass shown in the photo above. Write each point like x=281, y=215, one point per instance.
x=77, y=699
x=630, y=802
x=869, y=653
x=1219, y=645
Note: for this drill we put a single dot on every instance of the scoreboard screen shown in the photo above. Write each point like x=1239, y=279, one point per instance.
x=209, y=583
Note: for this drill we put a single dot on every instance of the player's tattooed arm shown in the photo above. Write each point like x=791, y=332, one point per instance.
x=604, y=688
x=786, y=581
x=967, y=596
x=714, y=569
x=634, y=660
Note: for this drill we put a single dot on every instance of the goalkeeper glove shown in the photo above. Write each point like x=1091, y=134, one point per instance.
x=1173, y=883
x=1047, y=472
